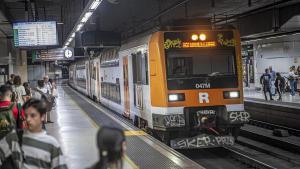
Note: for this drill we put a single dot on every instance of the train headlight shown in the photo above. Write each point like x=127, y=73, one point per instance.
x=202, y=37
x=176, y=97
x=231, y=94
x=194, y=37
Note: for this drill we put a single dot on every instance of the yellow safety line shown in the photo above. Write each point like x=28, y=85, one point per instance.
x=134, y=133
x=126, y=158
x=130, y=162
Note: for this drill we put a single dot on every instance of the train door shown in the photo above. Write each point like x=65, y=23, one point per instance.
x=126, y=87
x=97, y=80
x=87, y=78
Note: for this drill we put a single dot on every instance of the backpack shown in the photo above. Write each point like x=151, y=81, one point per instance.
x=7, y=121
x=15, y=96
x=266, y=79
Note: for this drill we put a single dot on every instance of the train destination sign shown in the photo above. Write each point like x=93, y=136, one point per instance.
x=181, y=40
x=35, y=34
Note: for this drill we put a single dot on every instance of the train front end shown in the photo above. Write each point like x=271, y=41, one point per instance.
x=196, y=87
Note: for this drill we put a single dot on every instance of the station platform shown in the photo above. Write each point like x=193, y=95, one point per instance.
x=287, y=99
x=283, y=113
x=76, y=120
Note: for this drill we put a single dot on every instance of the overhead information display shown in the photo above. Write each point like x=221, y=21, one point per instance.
x=35, y=34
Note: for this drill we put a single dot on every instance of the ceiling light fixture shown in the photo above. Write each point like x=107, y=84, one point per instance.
x=95, y=4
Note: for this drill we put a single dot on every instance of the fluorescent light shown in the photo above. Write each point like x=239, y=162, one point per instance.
x=95, y=4
x=73, y=35
x=86, y=16
x=79, y=26
x=70, y=39
x=65, y=47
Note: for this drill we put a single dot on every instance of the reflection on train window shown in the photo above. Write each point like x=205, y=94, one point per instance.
x=140, y=68
x=203, y=62
x=81, y=76
x=111, y=92
x=94, y=73
x=109, y=59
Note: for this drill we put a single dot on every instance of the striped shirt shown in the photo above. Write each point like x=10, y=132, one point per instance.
x=10, y=147
x=42, y=151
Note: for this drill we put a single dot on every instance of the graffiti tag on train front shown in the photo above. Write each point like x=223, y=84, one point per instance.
x=176, y=120
x=238, y=117
x=202, y=141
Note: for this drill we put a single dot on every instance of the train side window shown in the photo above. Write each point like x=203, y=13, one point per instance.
x=140, y=68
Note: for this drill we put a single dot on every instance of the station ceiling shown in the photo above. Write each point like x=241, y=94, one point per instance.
x=125, y=16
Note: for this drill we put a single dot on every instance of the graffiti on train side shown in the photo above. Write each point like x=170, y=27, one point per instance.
x=176, y=120
x=235, y=117
x=202, y=141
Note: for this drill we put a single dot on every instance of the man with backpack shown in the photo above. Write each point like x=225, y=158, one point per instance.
x=265, y=80
x=10, y=152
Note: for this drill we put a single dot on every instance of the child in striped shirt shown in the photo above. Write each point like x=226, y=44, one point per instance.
x=40, y=151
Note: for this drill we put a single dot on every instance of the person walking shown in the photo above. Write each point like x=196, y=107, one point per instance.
x=292, y=79
x=298, y=79
x=272, y=81
x=279, y=84
x=40, y=149
x=265, y=81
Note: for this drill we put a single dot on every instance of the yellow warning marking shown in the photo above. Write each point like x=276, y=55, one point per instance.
x=130, y=162
x=134, y=133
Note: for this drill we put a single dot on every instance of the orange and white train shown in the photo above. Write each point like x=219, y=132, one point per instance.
x=185, y=87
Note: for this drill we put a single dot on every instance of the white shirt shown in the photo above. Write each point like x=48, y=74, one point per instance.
x=38, y=95
x=20, y=91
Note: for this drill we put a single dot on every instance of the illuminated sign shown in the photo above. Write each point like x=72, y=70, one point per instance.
x=199, y=39
x=198, y=44
x=35, y=34
x=225, y=42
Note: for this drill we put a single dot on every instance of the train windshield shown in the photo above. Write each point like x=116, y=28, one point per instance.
x=200, y=63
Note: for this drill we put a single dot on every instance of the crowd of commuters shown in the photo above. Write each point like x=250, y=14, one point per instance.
x=24, y=143
x=274, y=83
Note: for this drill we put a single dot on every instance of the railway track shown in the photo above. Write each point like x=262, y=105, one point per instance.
x=270, y=126
x=248, y=161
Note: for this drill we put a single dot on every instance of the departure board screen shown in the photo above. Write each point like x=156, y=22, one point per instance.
x=35, y=34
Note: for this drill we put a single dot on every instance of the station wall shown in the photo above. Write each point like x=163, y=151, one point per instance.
x=279, y=55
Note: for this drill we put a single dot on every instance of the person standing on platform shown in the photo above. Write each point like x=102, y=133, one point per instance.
x=10, y=151
x=111, y=145
x=47, y=84
x=19, y=91
x=292, y=79
x=265, y=81
x=279, y=84
x=272, y=82
x=42, y=94
x=40, y=149
x=11, y=80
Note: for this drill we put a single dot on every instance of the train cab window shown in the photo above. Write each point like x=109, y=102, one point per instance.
x=200, y=63
x=140, y=68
